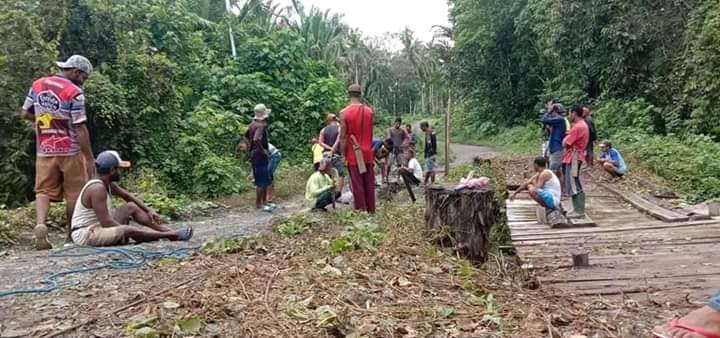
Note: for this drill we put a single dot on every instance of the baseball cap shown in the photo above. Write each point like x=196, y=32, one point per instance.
x=78, y=62
x=108, y=160
x=261, y=112
x=355, y=88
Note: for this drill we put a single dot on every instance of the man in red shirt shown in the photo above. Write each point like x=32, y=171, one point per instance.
x=575, y=144
x=356, y=138
x=56, y=106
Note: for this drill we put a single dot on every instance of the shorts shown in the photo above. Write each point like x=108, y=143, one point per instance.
x=273, y=164
x=547, y=198
x=339, y=163
x=261, y=175
x=60, y=175
x=430, y=164
x=556, y=160
x=97, y=235
x=618, y=173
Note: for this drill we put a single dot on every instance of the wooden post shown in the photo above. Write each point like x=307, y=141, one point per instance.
x=447, y=136
x=462, y=219
x=581, y=260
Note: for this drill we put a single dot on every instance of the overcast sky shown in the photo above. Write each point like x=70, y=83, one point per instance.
x=376, y=17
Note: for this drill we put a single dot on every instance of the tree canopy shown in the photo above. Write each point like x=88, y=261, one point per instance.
x=655, y=60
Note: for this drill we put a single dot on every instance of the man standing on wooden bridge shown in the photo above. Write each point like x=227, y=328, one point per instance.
x=544, y=188
x=356, y=143
x=575, y=144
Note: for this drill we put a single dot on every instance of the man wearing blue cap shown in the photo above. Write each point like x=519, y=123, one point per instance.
x=95, y=224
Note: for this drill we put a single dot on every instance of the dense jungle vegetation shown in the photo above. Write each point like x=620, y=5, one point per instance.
x=648, y=69
x=169, y=95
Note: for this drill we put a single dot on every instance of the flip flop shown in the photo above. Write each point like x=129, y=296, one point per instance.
x=267, y=208
x=185, y=235
x=675, y=323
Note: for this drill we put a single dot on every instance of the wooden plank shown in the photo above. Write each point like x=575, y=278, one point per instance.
x=645, y=206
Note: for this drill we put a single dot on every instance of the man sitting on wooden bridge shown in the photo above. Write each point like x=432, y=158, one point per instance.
x=544, y=188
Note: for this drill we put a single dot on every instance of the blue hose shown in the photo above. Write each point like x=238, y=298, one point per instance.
x=135, y=258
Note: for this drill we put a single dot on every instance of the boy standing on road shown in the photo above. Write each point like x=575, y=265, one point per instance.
x=430, y=152
x=257, y=136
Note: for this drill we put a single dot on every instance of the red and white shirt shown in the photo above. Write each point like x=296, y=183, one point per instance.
x=58, y=106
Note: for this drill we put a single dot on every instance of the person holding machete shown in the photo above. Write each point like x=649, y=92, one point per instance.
x=356, y=135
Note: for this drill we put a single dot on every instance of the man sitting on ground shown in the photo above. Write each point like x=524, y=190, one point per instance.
x=413, y=173
x=611, y=160
x=95, y=224
x=543, y=187
x=320, y=190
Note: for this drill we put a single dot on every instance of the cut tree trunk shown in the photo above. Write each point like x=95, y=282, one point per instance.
x=462, y=219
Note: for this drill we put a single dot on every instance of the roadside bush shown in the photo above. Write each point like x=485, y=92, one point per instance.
x=216, y=175
x=691, y=162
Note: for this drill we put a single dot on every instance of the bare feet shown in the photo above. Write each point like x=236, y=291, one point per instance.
x=41, y=237
x=704, y=318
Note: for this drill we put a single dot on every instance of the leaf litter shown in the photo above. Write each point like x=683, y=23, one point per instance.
x=388, y=282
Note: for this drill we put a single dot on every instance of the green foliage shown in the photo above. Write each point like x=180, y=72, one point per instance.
x=691, y=162
x=296, y=225
x=215, y=176
x=360, y=235
x=166, y=92
x=656, y=60
x=228, y=245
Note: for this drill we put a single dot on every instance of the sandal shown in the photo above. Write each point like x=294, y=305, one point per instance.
x=185, y=234
x=675, y=323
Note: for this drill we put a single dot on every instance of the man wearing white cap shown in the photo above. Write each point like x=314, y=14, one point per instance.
x=94, y=223
x=56, y=105
x=259, y=155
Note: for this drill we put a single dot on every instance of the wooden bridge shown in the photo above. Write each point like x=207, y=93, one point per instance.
x=636, y=249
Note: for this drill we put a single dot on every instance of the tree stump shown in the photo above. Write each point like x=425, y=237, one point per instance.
x=462, y=219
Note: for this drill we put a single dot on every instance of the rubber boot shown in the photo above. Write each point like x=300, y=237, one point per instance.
x=578, y=202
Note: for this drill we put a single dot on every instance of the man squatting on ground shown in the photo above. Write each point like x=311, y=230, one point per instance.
x=320, y=190
x=94, y=223
x=611, y=160
x=56, y=105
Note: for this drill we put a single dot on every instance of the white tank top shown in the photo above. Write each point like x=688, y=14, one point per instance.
x=553, y=187
x=83, y=216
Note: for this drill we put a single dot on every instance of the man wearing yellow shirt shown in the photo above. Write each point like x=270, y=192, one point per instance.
x=320, y=188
